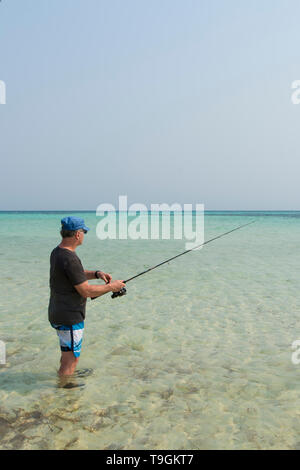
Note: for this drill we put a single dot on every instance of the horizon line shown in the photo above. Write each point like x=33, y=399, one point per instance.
x=149, y=210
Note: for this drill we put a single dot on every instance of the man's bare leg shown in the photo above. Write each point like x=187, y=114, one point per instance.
x=68, y=363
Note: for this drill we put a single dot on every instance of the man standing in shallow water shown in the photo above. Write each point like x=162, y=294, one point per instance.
x=69, y=289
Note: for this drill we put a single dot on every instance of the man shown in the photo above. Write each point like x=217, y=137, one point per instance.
x=69, y=290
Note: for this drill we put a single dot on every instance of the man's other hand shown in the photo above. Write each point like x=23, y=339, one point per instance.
x=106, y=277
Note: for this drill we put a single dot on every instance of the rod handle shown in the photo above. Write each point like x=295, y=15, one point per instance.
x=119, y=293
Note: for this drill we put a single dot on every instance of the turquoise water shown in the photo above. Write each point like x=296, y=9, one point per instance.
x=196, y=356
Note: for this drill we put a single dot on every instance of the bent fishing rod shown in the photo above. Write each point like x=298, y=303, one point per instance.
x=123, y=290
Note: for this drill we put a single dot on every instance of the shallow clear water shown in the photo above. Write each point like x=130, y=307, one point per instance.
x=196, y=356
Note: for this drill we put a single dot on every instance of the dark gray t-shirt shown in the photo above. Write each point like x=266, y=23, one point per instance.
x=66, y=306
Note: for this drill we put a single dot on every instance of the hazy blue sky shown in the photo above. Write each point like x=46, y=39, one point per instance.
x=163, y=100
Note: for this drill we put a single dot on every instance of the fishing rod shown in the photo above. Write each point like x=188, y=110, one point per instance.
x=123, y=290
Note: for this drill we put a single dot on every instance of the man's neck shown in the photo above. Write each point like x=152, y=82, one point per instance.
x=67, y=245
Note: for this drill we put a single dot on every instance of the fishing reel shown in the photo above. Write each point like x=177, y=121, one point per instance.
x=119, y=294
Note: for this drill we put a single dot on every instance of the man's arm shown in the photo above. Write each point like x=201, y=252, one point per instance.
x=90, y=274
x=87, y=290
x=100, y=275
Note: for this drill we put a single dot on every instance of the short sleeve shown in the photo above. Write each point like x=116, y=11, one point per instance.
x=74, y=270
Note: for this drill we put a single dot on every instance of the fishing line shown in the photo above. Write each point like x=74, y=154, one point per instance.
x=123, y=290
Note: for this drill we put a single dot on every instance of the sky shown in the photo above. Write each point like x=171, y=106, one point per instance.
x=165, y=101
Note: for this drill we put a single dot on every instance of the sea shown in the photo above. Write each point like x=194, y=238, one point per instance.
x=201, y=353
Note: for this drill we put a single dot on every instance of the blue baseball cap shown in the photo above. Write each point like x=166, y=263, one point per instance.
x=73, y=223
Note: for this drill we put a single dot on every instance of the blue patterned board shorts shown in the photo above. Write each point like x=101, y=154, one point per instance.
x=70, y=337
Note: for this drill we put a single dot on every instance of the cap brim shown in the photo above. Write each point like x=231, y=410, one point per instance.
x=86, y=228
